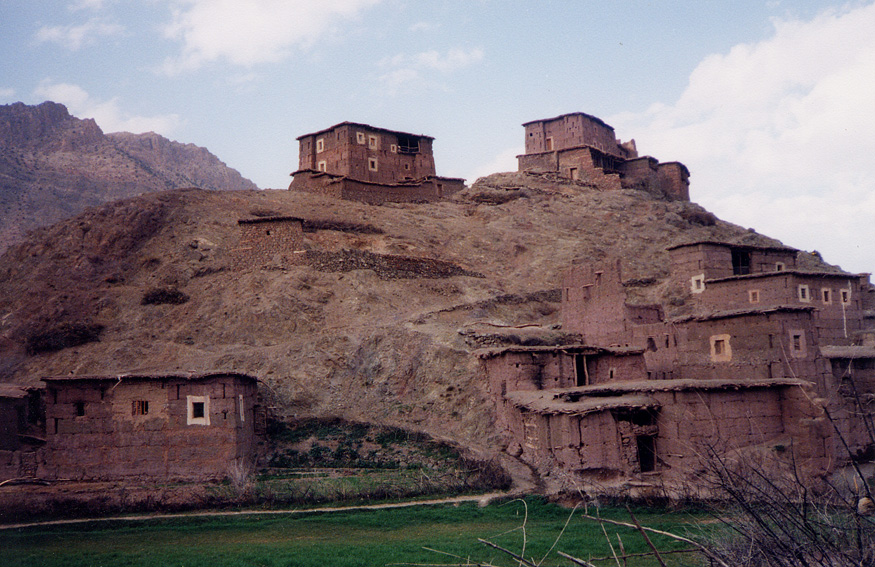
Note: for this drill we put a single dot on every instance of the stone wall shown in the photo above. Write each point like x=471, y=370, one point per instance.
x=276, y=242
x=569, y=131
x=420, y=191
x=163, y=427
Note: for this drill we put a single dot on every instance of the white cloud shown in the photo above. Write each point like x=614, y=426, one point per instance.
x=108, y=115
x=778, y=134
x=86, y=5
x=7, y=93
x=251, y=32
x=75, y=37
x=409, y=70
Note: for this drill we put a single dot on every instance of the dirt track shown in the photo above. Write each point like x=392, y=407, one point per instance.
x=482, y=499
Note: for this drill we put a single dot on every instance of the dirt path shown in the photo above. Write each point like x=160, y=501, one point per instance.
x=481, y=499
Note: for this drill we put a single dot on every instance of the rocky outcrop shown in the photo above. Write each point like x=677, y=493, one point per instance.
x=54, y=165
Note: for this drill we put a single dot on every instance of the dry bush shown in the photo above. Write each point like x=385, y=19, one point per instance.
x=164, y=295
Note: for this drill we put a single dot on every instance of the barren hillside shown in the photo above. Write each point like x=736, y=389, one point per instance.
x=366, y=343
x=54, y=165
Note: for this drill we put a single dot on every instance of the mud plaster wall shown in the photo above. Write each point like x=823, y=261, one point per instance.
x=11, y=422
x=675, y=180
x=570, y=131
x=758, y=346
x=603, y=445
x=593, y=304
x=109, y=442
x=838, y=322
x=347, y=149
x=277, y=243
x=715, y=261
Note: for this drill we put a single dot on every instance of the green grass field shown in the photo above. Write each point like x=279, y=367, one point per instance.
x=340, y=539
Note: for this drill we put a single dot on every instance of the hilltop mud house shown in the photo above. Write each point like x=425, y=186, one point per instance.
x=582, y=147
x=760, y=358
x=374, y=165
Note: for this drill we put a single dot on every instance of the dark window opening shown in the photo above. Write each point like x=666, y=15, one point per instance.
x=646, y=452
x=740, y=262
x=797, y=342
x=139, y=407
x=719, y=346
x=643, y=417
x=408, y=144
x=651, y=344
x=197, y=410
x=267, y=232
x=80, y=409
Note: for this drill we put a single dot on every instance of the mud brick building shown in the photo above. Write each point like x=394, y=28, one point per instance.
x=21, y=421
x=582, y=147
x=752, y=361
x=374, y=165
x=269, y=242
x=160, y=427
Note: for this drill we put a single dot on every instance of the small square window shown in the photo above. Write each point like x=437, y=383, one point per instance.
x=753, y=296
x=846, y=295
x=804, y=295
x=393, y=148
x=797, y=342
x=697, y=283
x=372, y=164
x=322, y=166
x=198, y=410
x=140, y=407
x=373, y=142
x=360, y=137
x=80, y=409
x=719, y=347
x=320, y=145
x=779, y=266
x=826, y=295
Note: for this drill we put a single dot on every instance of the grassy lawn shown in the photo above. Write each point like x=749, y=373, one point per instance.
x=355, y=538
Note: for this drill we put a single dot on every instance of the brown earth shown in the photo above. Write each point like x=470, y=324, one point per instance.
x=360, y=343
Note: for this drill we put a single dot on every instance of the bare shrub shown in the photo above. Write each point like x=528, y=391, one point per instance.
x=164, y=295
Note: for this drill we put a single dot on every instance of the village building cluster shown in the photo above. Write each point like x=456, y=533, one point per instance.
x=751, y=354
x=768, y=359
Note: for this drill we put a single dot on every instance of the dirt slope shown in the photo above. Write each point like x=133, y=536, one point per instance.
x=359, y=344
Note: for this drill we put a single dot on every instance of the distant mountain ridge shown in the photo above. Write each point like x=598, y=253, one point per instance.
x=54, y=165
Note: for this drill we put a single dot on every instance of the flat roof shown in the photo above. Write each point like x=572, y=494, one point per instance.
x=13, y=391
x=797, y=273
x=571, y=349
x=630, y=394
x=366, y=126
x=742, y=312
x=854, y=351
x=584, y=114
x=770, y=248
x=192, y=376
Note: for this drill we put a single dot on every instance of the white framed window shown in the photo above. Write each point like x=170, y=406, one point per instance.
x=393, y=148
x=826, y=295
x=797, y=343
x=697, y=283
x=360, y=137
x=322, y=166
x=198, y=410
x=320, y=145
x=804, y=293
x=721, y=350
x=372, y=164
x=373, y=142
x=845, y=295
x=779, y=266
x=753, y=296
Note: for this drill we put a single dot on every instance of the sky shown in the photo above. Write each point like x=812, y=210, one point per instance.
x=770, y=104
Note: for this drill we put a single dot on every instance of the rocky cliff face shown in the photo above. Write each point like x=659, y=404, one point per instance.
x=345, y=337
x=54, y=165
